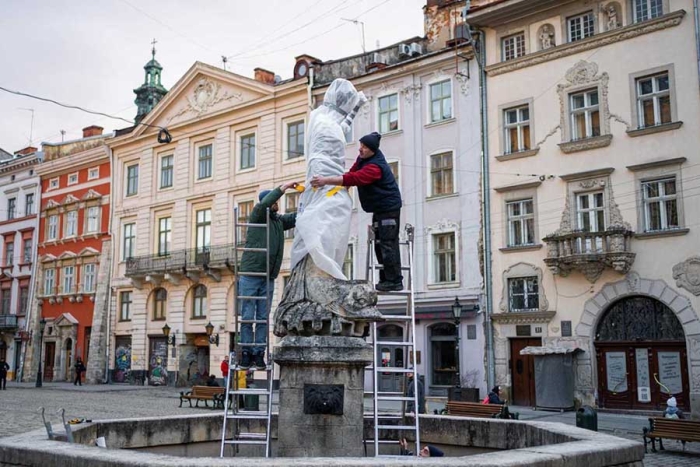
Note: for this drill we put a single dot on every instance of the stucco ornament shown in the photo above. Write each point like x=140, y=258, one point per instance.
x=687, y=274
x=205, y=95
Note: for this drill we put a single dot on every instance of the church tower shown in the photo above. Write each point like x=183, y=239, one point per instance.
x=151, y=91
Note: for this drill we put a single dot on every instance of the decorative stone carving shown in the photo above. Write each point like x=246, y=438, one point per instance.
x=523, y=270
x=687, y=275
x=442, y=225
x=546, y=37
x=205, y=95
x=323, y=399
x=411, y=92
x=592, y=43
x=463, y=80
x=611, y=13
x=633, y=281
x=315, y=303
x=694, y=348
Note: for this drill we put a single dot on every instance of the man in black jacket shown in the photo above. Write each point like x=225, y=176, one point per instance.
x=4, y=368
x=380, y=195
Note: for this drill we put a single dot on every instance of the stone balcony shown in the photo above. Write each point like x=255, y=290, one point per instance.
x=8, y=323
x=192, y=263
x=590, y=252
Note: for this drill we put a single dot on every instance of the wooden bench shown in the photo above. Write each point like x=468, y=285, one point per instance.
x=204, y=393
x=670, y=428
x=473, y=409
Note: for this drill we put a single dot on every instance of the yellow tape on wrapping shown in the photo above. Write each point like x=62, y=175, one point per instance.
x=333, y=191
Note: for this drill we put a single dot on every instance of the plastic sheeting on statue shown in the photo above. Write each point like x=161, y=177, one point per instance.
x=323, y=219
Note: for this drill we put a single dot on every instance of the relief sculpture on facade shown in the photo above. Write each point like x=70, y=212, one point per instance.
x=687, y=274
x=206, y=95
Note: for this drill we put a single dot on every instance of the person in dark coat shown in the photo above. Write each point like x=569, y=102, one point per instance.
x=495, y=396
x=410, y=408
x=4, y=368
x=380, y=195
x=79, y=368
x=255, y=261
x=212, y=382
x=426, y=451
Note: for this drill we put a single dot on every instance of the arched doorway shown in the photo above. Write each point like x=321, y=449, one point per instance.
x=641, y=356
x=390, y=356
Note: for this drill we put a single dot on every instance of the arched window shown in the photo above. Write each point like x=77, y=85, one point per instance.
x=199, y=304
x=160, y=299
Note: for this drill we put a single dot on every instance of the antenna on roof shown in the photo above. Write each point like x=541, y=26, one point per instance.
x=63, y=134
x=31, y=126
x=224, y=59
x=356, y=22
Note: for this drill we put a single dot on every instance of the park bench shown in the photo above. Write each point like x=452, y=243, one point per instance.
x=670, y=428
x=474, y=409
x=204, y=393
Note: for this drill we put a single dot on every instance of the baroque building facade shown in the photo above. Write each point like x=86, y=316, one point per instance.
x=19, y=197
x=73, y=259
x=592, y=113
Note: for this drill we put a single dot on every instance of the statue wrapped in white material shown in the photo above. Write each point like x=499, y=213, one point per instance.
x=318, y=298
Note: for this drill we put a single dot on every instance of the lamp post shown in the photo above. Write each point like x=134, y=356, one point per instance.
x=168, y=339
x=213, y=338
x=39, y=376
x=457, y=313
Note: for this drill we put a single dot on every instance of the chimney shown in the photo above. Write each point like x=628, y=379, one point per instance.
x=92, y=130
x=25, y=151
x=264, y=76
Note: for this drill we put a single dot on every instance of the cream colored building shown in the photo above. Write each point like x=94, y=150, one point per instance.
x=173, y=214
x=593, y=111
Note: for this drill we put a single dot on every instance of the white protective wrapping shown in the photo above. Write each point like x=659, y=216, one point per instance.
x=323, y=222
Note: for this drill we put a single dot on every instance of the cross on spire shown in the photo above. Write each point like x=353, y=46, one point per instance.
x=153, y=50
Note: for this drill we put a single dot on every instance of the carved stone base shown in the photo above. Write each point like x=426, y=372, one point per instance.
x=316, y=420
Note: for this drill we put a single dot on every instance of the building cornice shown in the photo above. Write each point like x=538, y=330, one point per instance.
x=587, y=174
x=518, y=186
x=18, y=164
x=73, y=162
x=527, y=317
x=594, y=42
x=656, y=164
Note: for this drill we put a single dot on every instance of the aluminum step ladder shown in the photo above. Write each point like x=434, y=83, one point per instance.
x=235, y=415
x=385, y=420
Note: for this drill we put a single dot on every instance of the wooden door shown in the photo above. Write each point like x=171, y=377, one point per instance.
x=669, y=366
x=616, y=381
x=49, y=359
x=522, y=370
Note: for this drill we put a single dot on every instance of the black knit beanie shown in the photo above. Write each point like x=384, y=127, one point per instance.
x=435, y=452
x=371, y=141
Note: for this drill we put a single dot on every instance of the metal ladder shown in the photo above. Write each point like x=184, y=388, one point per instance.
x=382, y=423
x=233, y=412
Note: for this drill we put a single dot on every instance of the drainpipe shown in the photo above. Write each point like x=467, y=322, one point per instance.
x=696, y=15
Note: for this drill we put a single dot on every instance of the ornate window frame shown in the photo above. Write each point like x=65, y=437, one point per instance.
x=442, y=227
x=518, y=270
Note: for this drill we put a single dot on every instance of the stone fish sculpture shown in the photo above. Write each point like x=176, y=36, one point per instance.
x=315, y=303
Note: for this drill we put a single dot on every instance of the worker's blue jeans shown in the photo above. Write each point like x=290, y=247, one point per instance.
x=254, y=309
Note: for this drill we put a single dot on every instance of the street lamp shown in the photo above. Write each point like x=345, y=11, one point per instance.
x=213, y=338
x=42, y=326
x=168, y=339
x=457, y=313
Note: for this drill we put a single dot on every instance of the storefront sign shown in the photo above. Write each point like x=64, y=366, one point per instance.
x=643, y=384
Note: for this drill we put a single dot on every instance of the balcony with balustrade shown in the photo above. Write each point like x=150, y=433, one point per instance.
x=192, y=263
x=8, y=323
x=590, y=253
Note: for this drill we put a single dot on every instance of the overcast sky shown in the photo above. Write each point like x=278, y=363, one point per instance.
x=91, y=53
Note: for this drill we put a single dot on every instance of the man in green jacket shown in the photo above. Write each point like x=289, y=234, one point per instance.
x=257, y=286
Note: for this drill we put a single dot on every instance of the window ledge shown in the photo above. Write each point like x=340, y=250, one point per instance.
x=437, y=197
x=293, y=160
x=198, y=317
x=586, y=144
x=661, y=233
x=515, y=249
x=392, y=133
x=440, y=122
x=517, y=155
x=443, y=285
x=654, y=129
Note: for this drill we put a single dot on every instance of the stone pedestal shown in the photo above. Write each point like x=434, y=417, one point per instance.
x=321, y=400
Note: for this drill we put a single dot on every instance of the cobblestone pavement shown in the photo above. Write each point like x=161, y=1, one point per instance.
x=19, y=406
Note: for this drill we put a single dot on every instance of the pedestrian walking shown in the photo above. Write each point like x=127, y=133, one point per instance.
x=410, y=407
x=4, y=368
x=224, y=369
x=79, y=368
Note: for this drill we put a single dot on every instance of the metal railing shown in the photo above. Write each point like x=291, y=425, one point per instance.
x=8, y=322
x=218, y=256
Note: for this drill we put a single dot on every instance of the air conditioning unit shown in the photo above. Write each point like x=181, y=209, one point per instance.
x=377, y=58
x=416, y=49
x=404, y=50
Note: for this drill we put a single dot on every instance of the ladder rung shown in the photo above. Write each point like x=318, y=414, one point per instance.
x=381, y=266
x=407, y=344
x=395, y=398
x=252, y=274
x=401, y=292
x=248, y=416
x=250, y=297
x=397, y=317
x=247, y=321
x=261, y=392
x=384, y=417
x=254, y=250
x=245, y=441
x=251, y=344
x=396, y=427
x=391, y=369
x=249, y=224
